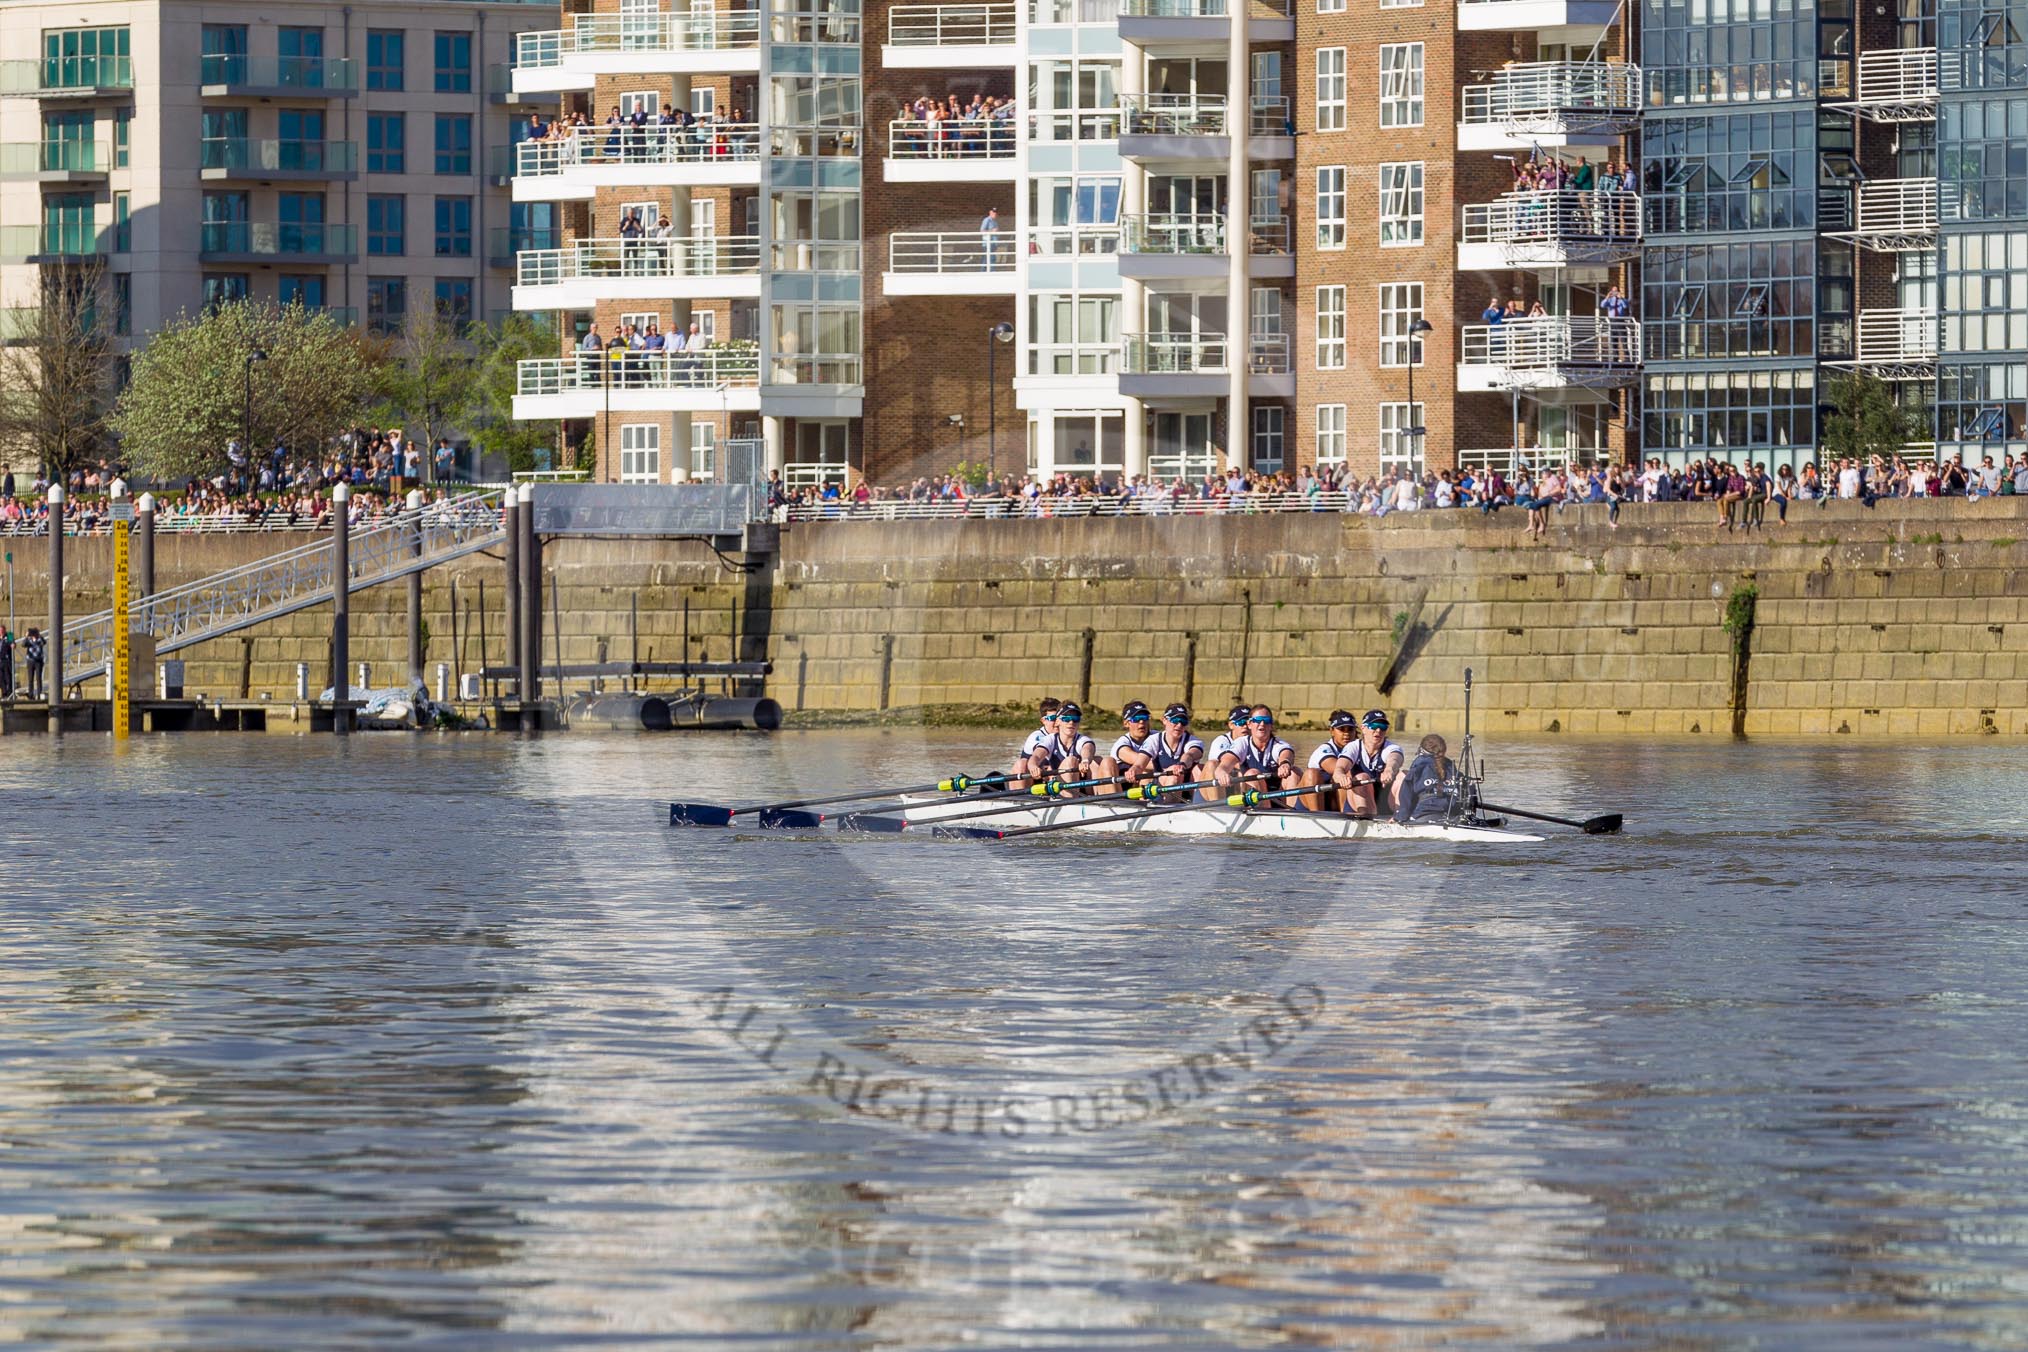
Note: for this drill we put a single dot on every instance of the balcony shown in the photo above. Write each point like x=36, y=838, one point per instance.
x=503, y=245
x=1550, y=230
x=1174, y=366
x=587, y=271
x=708, y=154
x=1896, y=344
x=1554, y=360
x=1565, y=21
x=1173, y=127
x=500, y=88
x=1897, y=85
x=949, y=37
x=54, y=161
x=1157, y=23
x=1267, y=247
x=718, y=42
x=266, y=77
x=1170, y=246
x=82, y=77
x=277, y=242
x=971, y=150
x=1269, y=372
x=586, y=385
x=53, y=244
x=344, y=316
x=222, y=159
x=949, y=263
x=1895, y=215
x=1551, y=103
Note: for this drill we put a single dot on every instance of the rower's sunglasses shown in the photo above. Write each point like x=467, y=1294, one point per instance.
x=1258, y=719
x=1179, y=722
x=1061, y=719
x=1137, y=718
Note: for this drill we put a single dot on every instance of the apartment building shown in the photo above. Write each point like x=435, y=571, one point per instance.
x=353, y=157
x=1211, y=233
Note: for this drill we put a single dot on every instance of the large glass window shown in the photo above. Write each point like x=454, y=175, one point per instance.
x=386, y=304
x=1747, y=51
x=387, y=225
x=1401, y=84
x=1725, y=174
x=1400, y=448
x=301, y=288
x=222, y=59
x=1270, y=437
x=223, y=288
x=1330, y=89
x=1073, y=100
x=1744, y=298
x=1073, y=335
x=386, y=58
x=1400, y=204
x=1330, y=434
x=1769, y=412
x=301, y=57
x=386, y=143
x=454, y=143
x=1330, y=328
x=454, y=227
x=640, y=453
x=454, y=300
x=87, y=58
x=453, y=54
x=1331, y=206
x=1400, y=307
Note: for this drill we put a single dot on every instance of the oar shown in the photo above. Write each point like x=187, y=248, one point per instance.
x=988, y=833
x=869, y=819
x=712, y=814
x=1593, y=826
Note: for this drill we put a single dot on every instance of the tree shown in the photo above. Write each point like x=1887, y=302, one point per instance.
x=57, y=375
x=429, y=380
x=502, y=348
x=188, y=397
x=1865, y=421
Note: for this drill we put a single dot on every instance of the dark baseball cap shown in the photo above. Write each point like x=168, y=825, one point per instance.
x=1070, y=712
x=1341, y=719
x=1178, y=711
x=1375, y=718
x=1240, y=713
x=1134, y=710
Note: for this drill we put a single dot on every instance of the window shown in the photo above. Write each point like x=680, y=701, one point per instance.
x=703, y=101
x=640, y=453
x=454, y=300
x=703, y=450
x=641, y=319
x=1400, y=307
x=454, y=143
x=223, y=54
x=454, y=63
x=386, y=304
x=386, y=143
x=1401, y=4
x=1401, y=205
x=1401, y=84
x=87, y=58
x=300, y=57
x=385, y=58
x=1330, y=328
x=123, y=137
x=304, y=289
x=647, y=101
x=1331, y=206
x=1688, y=301
x=1330, y=434
x=454, y=227
x=222, y=288
x=387, y=226
x=1400, y=447
x=1330, y=89
x=1752, y=302
x=123, y=303
x=1330, y=6
x=123, y=222
x=1269, y=437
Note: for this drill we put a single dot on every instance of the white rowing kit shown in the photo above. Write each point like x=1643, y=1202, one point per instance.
x=1253, y=757
x=1330, y=751
x=1119, y=814
x=1157, y=746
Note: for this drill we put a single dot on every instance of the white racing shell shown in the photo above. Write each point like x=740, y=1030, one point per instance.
x=1123, y=814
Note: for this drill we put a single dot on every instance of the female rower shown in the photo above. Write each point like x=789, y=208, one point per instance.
x=1129, y=761
x=1177, y=755
x=1072, y=754
x=1331, y=765
x=1265, y=760
x=1026, y=765
x=1222, y=758
x=1376, y=764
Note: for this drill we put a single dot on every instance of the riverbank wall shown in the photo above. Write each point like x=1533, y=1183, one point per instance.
x=1901, y=620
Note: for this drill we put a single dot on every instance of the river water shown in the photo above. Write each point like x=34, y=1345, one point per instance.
x=454, y=1041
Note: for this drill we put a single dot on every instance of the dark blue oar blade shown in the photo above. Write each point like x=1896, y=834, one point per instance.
x=783, y=819
x=965, y=833
x=699, y=814
x=869, y=821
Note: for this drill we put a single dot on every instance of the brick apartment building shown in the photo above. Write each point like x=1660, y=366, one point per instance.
x=1270, y=242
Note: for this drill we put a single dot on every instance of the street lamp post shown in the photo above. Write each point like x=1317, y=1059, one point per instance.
x=1415, y=430
x=1000, y=333
x=246, y=414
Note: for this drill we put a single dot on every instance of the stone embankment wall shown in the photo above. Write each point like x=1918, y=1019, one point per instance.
x=1905, y=620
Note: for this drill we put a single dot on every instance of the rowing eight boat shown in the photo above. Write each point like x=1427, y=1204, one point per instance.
x=1098, y=814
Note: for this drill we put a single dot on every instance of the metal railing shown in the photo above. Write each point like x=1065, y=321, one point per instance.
x=278, y=72
x=1904, y=78
x=66, y=75
x=618, y=369
x=294, y=580
x=978, y=25
x=75, y=239
x=240, y=154
x=281, y=239
x=1150, y=500
x=714, y=31
x=1172, y=234
x=677, y=256
x=1171, y=115
x=1898, y=209
x=949, y=251
x=1556, y=95
x=589, y=147
x=1074, y=124
x=54, y=157
x=1267, y=354
x=1173, y=9
x=1147, y=354
x=505, y=243
x=1267, y=235
x=815, y=255
x=1073, y=241
x=1269, y=116
x=968, y=138
x=1592, y=225
x=1551, y=342
x=1892, y=338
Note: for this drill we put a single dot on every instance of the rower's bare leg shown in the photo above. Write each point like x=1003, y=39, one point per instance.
x=1107, y=768
x=1359, y=801
x=1312, y=779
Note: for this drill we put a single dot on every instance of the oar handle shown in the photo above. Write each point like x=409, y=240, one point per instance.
x=955, y=784
x=1022, y=801
x=1094, y=821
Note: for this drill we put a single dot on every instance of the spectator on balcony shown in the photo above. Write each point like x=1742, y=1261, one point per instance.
x=637, y=133
x=1614, y=310
x=989, y=237
x=631, y=235
x=616, y=130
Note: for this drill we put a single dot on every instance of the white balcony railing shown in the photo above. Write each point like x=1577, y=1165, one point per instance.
x=1898, y=84
x=1577, y=227
x=1171, y=115
x=965, y=138
x=1896, y=214
x=1268, y=115
x=619, y=370
x=680, y=256
x=949, y=252
x=1557, y=96
x=1897, y=341
x=1267, y=354
x=587, y=147
x=1146, y=354
x=1168, y=234
x=1553, y=342
x=1267, y=235
x=712, y=31
x=980, y=25
x=1073, y=241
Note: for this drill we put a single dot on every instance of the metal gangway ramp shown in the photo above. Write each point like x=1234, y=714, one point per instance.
x=294, y=580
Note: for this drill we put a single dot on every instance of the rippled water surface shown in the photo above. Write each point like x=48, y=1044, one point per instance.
x=455, y=1042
